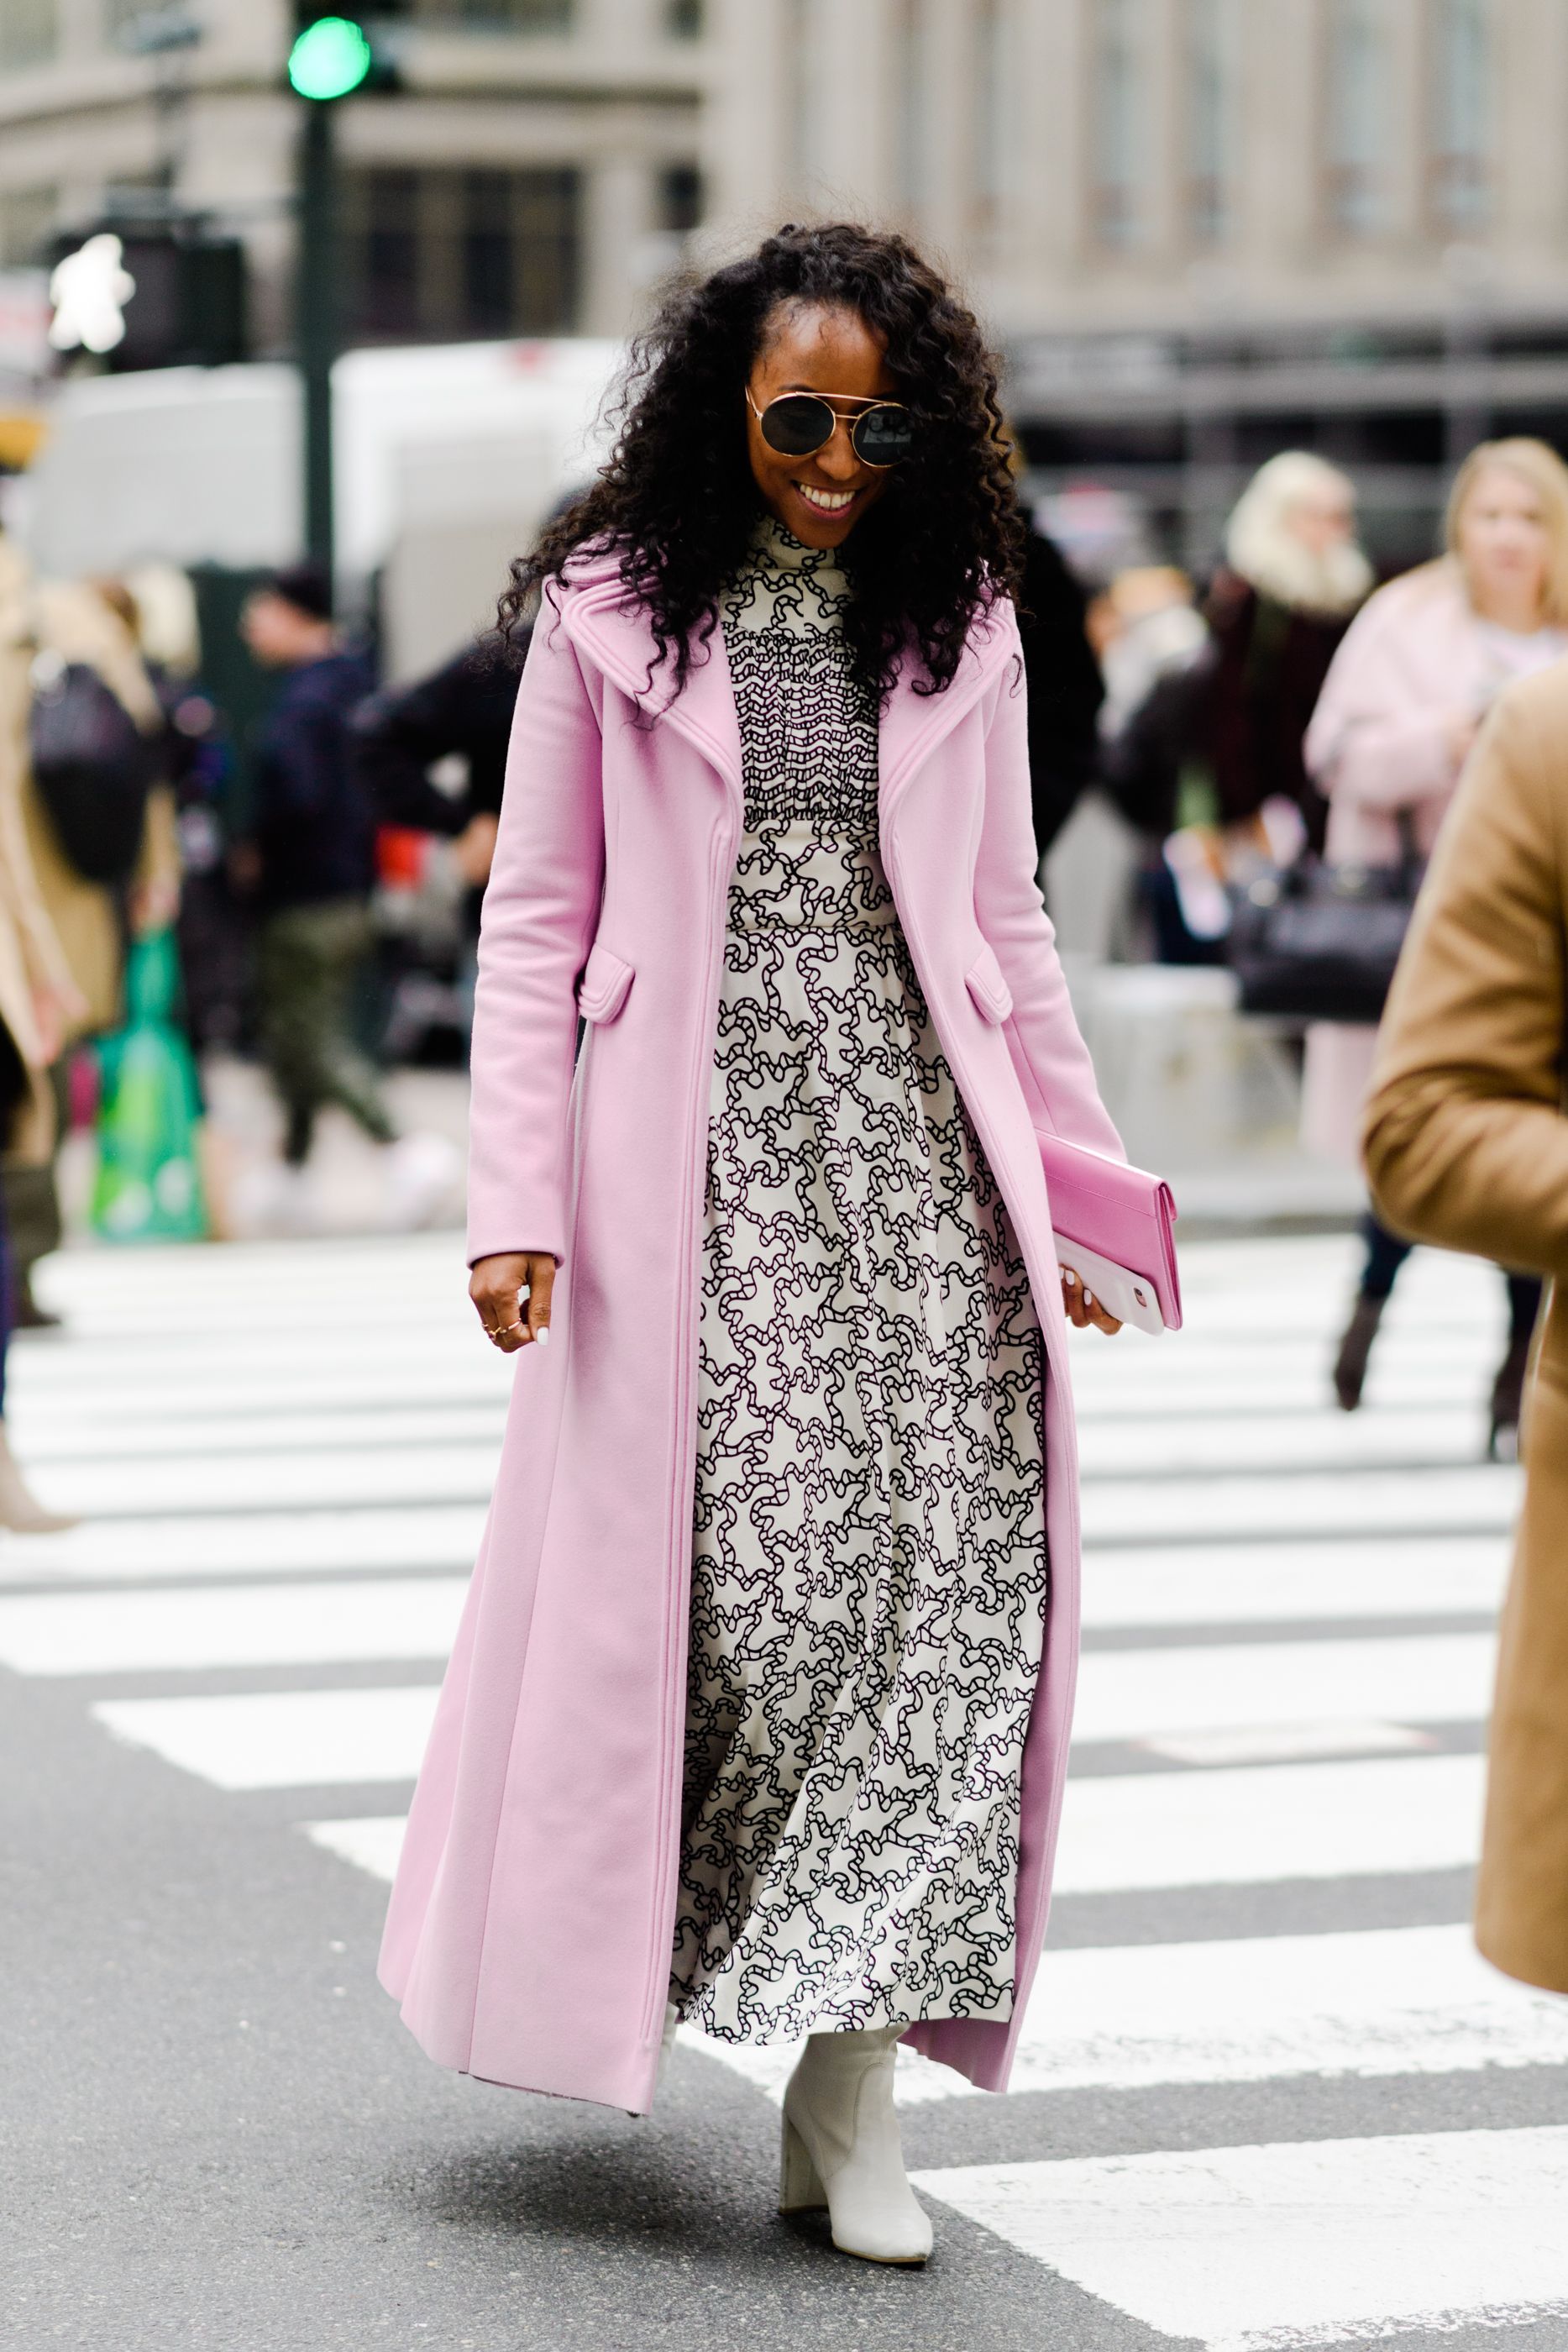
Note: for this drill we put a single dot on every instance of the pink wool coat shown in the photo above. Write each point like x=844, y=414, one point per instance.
x=531, y=1924
x=1414, y=655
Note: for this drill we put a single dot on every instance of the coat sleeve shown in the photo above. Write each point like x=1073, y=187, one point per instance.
x=1466, y=1141
x=541, y=908
x=1374, y=737
x=1058, y=1074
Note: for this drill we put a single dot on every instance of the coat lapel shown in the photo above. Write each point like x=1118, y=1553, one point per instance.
x=913, y=725
x=614, y=631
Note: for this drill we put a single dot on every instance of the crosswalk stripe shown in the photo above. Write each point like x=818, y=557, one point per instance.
x=265, y=1543
x=1254, y=1825
x=241, y=1482
x=281, y=1739
x=1135, y=1694
x=1147, y=1446
x=1308, y=2243
x=1370, y=2002
x=1287, y=1582
x=270, y=1626
x=279, y=1434
x=1448, y=1502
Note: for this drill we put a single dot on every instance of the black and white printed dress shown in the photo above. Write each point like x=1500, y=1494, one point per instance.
x=869, y=1560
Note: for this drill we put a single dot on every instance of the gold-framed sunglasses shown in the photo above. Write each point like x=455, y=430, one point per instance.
x=799, y=424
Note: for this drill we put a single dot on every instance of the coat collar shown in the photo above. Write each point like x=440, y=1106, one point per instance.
x=612, y=629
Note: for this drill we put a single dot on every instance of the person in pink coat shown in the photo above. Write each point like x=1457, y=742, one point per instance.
x=759, y=1708
x=1400, y=708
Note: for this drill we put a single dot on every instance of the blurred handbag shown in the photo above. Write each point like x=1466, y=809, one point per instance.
x=1102, y=1209
x=92, y=767
x=1320, y=941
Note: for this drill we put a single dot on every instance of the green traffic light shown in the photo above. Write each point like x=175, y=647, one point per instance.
x=330, y=58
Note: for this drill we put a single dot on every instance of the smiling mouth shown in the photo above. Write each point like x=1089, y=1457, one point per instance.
x=827, y=502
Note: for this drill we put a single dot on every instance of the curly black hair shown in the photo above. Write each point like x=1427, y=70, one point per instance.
x=677, y=500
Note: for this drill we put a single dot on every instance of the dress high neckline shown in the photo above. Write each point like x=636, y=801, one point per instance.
x=779, y=548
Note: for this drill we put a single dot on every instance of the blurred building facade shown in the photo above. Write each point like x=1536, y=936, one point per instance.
x=538, y=167
x=1203, y=229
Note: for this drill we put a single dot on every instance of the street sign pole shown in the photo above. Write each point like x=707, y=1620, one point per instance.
x=317, y=318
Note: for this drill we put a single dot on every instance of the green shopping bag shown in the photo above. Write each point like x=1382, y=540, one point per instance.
x=147, y=1187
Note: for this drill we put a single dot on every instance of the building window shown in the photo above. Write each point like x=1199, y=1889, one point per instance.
x=29, y=32
x=686, y=19
x=1358, y=125
x=1210, y=70
x=1460, y=114
x=483, y=15
x=27, y=218
x=1118, y=127
x=680, y=199
x=912, y=86
x=991, y=118
x=440, y=254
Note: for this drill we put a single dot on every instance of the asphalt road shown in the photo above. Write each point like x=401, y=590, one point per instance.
x=1268, y=2098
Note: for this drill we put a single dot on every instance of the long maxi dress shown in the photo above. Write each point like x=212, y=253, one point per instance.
x=869, y=1555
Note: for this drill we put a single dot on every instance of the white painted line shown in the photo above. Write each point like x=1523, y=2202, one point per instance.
x=281, y=1739
x=1287, y=1582
x=1315, y=2242
x=304, y=1542
x=1287, y=1440
x=1288, y=1743
x=259, y=1625
x=1257, y=1824
x=372, y=1844
x=1477, y=1501
x=1419, y=1678
x=92, y=1439
x=1386, y=2001
x=240, y=1481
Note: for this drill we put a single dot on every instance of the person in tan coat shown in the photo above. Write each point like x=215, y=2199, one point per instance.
x=1467, y=1145
x=39, y=1000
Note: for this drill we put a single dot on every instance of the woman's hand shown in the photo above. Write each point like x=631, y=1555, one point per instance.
x=512, y=1293
x=1083, y=1307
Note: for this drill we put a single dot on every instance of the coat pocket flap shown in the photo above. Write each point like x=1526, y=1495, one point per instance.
x=986, y=985
x=601, y=991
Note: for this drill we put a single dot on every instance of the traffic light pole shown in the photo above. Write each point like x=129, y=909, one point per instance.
x=316, y=282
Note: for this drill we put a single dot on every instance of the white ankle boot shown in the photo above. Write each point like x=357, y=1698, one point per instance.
x=21, y=1513
x=841, y=2148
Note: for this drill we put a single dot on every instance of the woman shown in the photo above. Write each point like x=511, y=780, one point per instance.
x=759, y=1713
x=38, y=997
x=1467, y=1145
x=1399, y=713
x=1278, y=610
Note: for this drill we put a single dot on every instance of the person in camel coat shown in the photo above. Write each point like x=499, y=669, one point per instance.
x=1467, y=1145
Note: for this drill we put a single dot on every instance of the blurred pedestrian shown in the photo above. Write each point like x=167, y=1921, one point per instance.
x=312, y=858
x=795, y=1430
x=1292, y=577
x=1467, y=1145
x=1398, y=715
x=462, y=712
x=38, y=997
x=1154, y=652
x=1065, y=688
x=103, y=846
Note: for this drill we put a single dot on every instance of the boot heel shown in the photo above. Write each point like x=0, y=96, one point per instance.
x=800, y=2189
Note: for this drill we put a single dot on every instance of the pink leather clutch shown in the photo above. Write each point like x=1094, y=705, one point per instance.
x=1121, y=1214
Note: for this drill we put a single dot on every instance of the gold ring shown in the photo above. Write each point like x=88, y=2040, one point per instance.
x=501, y=1329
